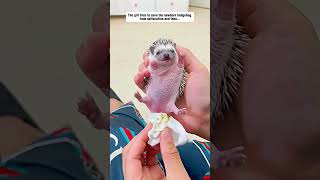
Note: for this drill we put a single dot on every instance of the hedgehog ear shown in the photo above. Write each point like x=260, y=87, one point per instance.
x=152, y=49
x=174, y=45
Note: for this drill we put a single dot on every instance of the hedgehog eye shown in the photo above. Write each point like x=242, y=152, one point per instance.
x=158, y=53
x=172, y=51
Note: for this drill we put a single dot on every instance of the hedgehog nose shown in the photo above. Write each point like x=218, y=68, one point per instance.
x=166, y=56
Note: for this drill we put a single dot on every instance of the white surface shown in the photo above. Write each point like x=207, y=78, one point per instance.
x=200, y=3
x=172, y=5
x=120, y=7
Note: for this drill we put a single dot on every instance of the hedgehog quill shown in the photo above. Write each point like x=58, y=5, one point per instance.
x=229, y=41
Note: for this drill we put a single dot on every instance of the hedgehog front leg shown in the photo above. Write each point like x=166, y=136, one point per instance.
x=153, y=65
x=143, y=99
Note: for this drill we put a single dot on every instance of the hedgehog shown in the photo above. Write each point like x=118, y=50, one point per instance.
x=167, y=78
x=150, y=51
x=229, y=41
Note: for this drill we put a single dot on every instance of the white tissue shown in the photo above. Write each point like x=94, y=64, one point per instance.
x=161, y=121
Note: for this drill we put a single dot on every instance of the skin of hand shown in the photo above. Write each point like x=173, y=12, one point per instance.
x=137, y=165
x=93, y=55
x=276, y=112
x=196, y=95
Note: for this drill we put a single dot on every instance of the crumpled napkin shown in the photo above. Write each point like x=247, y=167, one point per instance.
x=160, y=121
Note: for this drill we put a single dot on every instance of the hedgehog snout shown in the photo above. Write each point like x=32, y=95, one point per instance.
x=166, y=56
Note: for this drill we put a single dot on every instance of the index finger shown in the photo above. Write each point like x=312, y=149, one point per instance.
x=139, y=143
x=146, y=59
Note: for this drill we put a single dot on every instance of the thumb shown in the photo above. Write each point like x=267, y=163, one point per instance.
x=191, y=63
x=173, y=164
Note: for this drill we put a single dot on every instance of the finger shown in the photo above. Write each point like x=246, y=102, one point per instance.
x=139, y=144
x=239, y=157
x=130, y=166
x=132, y=155
x=154, y=168
x=237, y=149
x=171, y=157
x=146, y=73
x=139, y=80
x=156, y=172
x=152, y=160
x=146, y=59
x=145, y=130
x=142, y=67
x=145, y=55
x=191, y=63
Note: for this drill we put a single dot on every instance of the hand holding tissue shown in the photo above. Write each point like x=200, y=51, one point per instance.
x=160, y=121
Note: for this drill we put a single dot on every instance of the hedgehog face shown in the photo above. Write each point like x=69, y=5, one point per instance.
x=165, y=53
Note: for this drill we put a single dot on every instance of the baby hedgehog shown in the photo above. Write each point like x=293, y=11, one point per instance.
x=167, y=78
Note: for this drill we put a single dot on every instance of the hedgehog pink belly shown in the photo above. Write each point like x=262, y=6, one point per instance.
x=163, y=90
x=157, y=107
x=159, y=100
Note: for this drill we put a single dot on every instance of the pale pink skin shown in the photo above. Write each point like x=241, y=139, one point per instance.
x=163, y=86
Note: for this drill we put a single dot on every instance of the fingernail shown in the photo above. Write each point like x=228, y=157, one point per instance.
x=166, y=134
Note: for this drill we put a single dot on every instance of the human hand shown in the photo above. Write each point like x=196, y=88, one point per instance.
x=93, y=54
x=137, y=165
x=196, y=95
x=275, y=93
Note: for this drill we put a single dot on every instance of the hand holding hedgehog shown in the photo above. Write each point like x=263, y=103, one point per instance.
x=196, y=94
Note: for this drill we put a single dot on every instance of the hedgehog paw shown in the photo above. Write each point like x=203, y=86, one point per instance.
x=88, y=108
x=182, y=111
x=232, y=158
